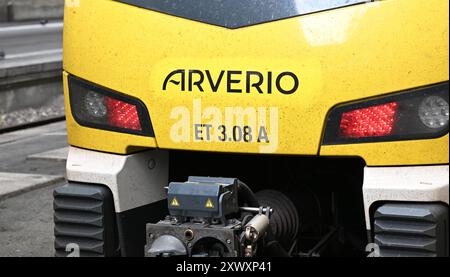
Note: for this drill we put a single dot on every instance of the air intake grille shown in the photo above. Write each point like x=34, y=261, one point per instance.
x=84, y=216
x=411, y=230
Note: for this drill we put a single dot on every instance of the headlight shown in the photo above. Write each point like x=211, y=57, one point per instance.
x=433, y=112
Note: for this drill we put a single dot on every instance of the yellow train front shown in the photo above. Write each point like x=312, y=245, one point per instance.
x=324, y=126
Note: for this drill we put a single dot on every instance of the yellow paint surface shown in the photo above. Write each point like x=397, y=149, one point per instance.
x=339, y=55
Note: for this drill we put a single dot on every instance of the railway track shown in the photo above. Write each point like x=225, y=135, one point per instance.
x=30, y=75
x=36, y=123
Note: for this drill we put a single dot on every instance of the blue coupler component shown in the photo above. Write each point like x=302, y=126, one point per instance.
x=203, y=197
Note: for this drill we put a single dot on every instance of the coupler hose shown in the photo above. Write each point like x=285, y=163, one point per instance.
x=273, y=247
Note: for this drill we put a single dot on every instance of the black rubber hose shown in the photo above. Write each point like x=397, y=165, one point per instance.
x=275, y=249
x=284, y=221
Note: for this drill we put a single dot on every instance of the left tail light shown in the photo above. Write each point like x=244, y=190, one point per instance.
x=418, y=114
x=101, y=108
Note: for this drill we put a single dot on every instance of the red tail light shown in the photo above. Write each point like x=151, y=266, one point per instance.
x=415, y=114
x=96, y=107
x=122, y=115
x=373, y=121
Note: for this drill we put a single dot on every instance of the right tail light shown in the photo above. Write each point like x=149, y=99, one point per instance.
x=419, y=114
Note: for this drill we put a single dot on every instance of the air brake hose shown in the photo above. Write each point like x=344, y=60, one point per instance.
x=274, y=248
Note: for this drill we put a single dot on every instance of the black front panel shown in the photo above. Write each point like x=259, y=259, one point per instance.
x=239, y=13
x=84, y=219
x=411, y=230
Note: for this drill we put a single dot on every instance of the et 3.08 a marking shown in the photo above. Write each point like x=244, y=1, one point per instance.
x=252, y=80
x=205, y=132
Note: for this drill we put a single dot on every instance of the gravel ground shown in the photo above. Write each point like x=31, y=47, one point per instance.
x=54, y=109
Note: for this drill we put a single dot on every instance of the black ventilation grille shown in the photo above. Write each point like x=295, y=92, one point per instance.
x=411, y=230
x=84, y=215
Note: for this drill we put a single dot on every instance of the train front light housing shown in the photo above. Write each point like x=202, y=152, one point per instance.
x=101, y=108
x=417, y=114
